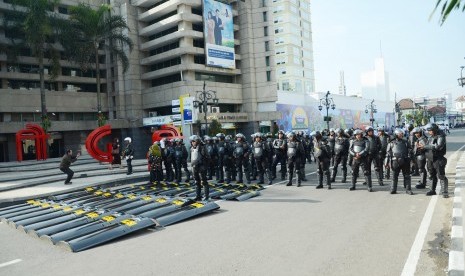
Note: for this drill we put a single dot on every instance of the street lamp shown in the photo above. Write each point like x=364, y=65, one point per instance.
x=202, y=103
x=461, y=80
x=328, y=103
x=372, y=109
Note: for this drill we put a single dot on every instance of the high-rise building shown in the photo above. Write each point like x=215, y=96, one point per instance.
x=174, y=55
x=293, y=46
x=375, y=83
x=342, y=84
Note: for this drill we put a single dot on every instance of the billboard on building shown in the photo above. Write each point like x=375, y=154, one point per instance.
x=218, y=30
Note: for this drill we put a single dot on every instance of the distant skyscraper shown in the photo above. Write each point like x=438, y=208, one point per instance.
x=293, y=46
x=375, y=84
x=342, y=85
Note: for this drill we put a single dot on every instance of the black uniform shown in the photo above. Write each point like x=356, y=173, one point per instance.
x=384, y=139
x=359, y=150
x=128, y=154
x=294, y=154
x=323, y=155
x=436, y=161
x=420, y=159
x=213, y=153
x=279, y=150
x=260, y=154
x=341, y=150
x=241, y=155
x=199, y=161
x=374, y=147
x=222, y=148
x=397, y=157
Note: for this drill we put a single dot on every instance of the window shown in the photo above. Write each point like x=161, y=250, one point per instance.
x=278, y=19
x=267, y=45
x=286, y=85
x=265, y=30
x=298, y=86
x=213, y=77
x=267, y=61
x=265, y=17
x=268, y=75
x=278, y=30
x=280, y=50
x=263, y=3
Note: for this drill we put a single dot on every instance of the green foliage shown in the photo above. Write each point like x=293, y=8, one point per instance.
x=419, y=117
x=214, y=128
x=101, y=120
x=46, y=123
x=446, y=8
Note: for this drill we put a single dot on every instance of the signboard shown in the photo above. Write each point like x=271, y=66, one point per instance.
x=175, y=102
x=187, y=110
x=157, y=121
x=218, y=30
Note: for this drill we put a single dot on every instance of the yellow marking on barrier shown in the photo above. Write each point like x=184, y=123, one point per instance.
x=142, y=188
x=92, y=215
x=67, y=209
x=79, y=212
x=131, y=196
x=197, y=205
x=57, y=206
x=45, y=205
x=178, y=202
x=98, y=193
x=108, y=218
x=31, y=201
x=160, y=200
x=146, y=198
x=129, y=222
x=37, y=203
x=119, y=195
x=107, y=194
x=89, y=189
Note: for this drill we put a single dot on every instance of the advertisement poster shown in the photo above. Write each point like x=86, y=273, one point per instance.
x=309, y=118
x=218, y=29
x=187, y=110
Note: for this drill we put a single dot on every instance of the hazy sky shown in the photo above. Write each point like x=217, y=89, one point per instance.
x=421, y=57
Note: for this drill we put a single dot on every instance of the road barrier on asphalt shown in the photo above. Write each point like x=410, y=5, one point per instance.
x=86, y=218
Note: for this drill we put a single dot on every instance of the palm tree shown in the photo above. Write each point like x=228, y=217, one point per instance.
x=93, y=29
x=35, y=26
x=447, y=7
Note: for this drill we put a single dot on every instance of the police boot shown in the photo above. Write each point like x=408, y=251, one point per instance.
x=422, y=182
x=299, y=178
x=320, y=181
x=380, y=179
x=445, y=187
x=228, y=176
x=270, y=177
x=368, y=180
x=188, y=175
x=328, y=180
x=344, y=176
x=261, y=178
x=394, y=185
x=198, y=192
x=206, y=189
x=220, y=176
x=302, y=173
x=433, y=188
x=247, y=176
x=273, y=172
x=408, y=184
x=283, y=174
x=354, y=180
x=333, y=177
x=289, y=183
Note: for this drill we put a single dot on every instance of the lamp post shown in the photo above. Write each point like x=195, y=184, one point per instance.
x=203, y=99
x=372, y=109
x=328, y=102
x=461, y=80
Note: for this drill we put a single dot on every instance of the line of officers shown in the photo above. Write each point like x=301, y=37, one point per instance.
x=227, y=159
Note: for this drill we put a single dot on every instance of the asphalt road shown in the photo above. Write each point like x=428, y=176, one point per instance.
x=285, y=231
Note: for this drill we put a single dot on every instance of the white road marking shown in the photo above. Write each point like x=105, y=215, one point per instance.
x=11, y=262
x=414, y=255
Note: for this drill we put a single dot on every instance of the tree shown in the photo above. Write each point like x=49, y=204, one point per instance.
x=93, y=29
x=33, y=25
x=447, y=7
x=215, y=127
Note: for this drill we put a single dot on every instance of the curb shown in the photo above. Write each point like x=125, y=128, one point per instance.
x=456, y=254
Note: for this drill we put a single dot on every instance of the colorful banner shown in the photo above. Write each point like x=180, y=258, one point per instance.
x=218, y=30
x=187, y=108
x=309, y=118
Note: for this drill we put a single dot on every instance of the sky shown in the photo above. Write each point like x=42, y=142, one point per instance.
x=421, y=57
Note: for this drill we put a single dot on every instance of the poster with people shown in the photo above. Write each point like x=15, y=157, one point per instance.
x=219, y=34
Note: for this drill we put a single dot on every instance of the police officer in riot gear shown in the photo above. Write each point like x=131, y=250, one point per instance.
x=322, y=153
x=260, y=154
x=179, y=154
x=384, y=139
x=184, y=161
x=199, y=162
x=253, y=167
x=341, y=150
x=300, y=138
x=167, y=154
x=349, y=134
x=419, y=156
x=397, y=157
x=269, y=150
x=294, y=153
x=435, y=159
x=374, y=147
x=230, y=161
x=241, y=155
x=279, y=149
x=212, y=152
x=358, y=149
x=308, y=145
x=331, y=143
x=222, y=155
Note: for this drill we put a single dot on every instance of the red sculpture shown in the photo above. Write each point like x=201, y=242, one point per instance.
x=167, y=131
x=92, y=144
x=36, y=133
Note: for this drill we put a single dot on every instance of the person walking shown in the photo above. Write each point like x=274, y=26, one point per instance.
x=65, y=163
x=115, y=152
x=398, y=158
x=128, y=154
